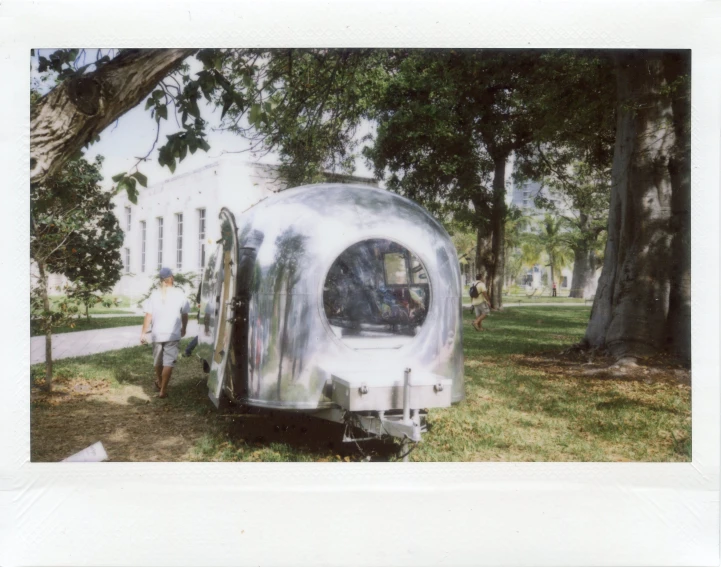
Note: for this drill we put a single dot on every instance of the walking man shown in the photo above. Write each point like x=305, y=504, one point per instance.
x=166, y=313
x=480, y=302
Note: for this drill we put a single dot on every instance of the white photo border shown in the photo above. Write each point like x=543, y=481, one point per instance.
x=354, y=513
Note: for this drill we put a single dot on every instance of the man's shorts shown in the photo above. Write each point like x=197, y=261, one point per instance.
x=165, y=354
x=481, y=309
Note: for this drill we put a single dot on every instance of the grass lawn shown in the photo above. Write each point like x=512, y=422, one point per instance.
x=524, y=402
x=516, y=299
x=109, y=310
x=83, y=324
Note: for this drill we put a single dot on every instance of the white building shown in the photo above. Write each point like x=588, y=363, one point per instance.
x=175, y=223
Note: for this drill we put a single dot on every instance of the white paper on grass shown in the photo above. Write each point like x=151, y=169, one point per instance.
x=359, y=514
x=93, y=454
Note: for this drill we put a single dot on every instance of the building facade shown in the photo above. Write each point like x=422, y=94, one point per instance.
x=175, y=223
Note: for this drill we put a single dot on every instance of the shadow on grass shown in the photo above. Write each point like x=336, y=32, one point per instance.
x=524, y=330
x=135, y=425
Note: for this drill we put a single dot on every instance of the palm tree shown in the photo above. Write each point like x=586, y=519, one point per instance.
x=552, y=237
x=516, y=257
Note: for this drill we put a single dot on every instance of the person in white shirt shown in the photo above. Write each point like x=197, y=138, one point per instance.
x=481, y=303
x=166, y=313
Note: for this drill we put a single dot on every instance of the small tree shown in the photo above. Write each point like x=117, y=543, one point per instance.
x=88, y=295
x=74, y=232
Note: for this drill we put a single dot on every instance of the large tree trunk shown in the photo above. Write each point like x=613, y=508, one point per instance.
x=677, y=67
x=630, y=315
x=483, y=252
x=553, y=275
x=43, y=283
x=79, y=109
x=584, y=267
x=584, y=262
x=498, y=228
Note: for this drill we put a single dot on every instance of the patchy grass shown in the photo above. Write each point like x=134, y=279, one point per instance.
x=525, y=401
x=83, y=324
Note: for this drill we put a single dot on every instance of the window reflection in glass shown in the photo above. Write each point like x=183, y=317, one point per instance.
x=376, y=295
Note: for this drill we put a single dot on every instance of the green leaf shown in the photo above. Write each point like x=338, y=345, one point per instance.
x=255, y=113
x=162, y=112
x=118, y=177
x=148, y=103
x=122, y=186
x=227, y=103
x=193, y=109
x=141, y=178
x=133, y=195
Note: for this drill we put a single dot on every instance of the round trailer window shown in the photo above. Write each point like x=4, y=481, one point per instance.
x=376, y=295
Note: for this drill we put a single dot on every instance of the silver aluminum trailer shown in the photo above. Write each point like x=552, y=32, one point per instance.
x=338, y=300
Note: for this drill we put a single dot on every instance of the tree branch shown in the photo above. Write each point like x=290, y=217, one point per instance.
x=79, y=109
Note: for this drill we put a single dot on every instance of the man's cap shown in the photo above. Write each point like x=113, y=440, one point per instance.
x=165, y=273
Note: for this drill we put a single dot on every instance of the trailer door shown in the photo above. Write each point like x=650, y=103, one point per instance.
x=223, y=296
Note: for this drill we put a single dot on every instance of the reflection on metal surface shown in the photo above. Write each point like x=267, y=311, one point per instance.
x=343, y=281
x=372, y=298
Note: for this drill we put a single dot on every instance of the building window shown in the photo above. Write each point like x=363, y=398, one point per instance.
x=160, y=242
x=179, y=241
x=127, y=219
x=201, y=238
x=126, y=260
x=142, y=245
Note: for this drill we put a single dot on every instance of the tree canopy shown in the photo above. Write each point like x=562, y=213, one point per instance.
x=448, y=121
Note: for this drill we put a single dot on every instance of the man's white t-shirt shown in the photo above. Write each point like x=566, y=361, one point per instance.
x=166, y=322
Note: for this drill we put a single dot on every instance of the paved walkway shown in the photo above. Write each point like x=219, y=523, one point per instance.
x=82, y=343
